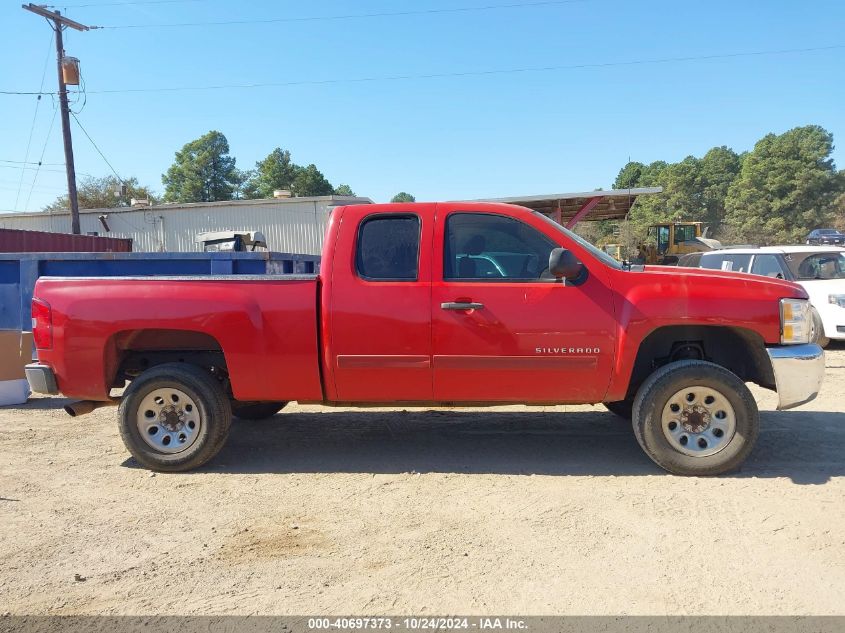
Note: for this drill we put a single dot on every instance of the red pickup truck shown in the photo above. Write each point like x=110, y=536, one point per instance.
x=432, y=304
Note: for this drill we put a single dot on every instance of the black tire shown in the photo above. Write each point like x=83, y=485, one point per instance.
x=817, y=334
x=212, y=409
x=256, y=410
x=622, y=408
x=656, y=392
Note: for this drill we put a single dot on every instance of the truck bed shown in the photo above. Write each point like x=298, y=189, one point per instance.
x=265, y=325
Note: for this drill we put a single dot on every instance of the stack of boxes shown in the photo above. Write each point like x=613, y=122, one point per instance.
x=15, y=352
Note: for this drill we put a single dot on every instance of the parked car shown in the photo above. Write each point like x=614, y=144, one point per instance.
x=826, y=236
x=820, y=270
x=433, y=304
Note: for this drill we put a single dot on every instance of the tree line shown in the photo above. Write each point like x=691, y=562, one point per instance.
x=204, y=171
x=777, y=192
x=783, y=188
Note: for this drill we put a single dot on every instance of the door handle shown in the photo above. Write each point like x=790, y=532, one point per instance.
x=451, y=305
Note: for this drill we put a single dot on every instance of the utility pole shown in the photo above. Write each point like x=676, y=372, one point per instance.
x=59, y=23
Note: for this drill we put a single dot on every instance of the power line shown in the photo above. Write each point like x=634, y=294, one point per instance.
x=84, y=131
x=478, y=73
x=118, y=4
x=349, y=16
x=474, y=73
x=57, y=171
x=40, y=158
x=18, y=92
x=35, y=116
x=28, y=162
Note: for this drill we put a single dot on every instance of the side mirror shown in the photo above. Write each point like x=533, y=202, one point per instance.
x=564, y=265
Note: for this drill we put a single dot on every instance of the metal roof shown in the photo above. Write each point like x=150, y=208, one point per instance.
x=613, y=204
x=332, y=200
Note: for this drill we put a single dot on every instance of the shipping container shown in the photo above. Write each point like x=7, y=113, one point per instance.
x=21, y=241
x=19, y=272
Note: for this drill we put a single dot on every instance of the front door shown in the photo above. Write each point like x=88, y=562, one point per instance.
x=503, y=330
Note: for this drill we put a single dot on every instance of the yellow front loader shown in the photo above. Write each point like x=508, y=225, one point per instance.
x=665, y=243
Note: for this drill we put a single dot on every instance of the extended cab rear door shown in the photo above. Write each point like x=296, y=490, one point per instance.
x=503, y=330
x=378, y=339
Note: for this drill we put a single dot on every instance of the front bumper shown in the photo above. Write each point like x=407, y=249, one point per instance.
x=41, y=379
x=799, y=370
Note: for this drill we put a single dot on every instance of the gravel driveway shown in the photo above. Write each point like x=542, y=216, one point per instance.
x=509, y=510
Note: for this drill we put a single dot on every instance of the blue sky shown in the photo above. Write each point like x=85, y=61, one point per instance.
x=471, y=136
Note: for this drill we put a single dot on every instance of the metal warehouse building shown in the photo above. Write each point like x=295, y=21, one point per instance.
x=291, y=225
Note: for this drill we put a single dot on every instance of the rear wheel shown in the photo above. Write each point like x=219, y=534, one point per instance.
x=174, y=417
x=256, y=410
x=695, y=418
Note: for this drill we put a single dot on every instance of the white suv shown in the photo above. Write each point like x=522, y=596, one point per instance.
x=819, y=269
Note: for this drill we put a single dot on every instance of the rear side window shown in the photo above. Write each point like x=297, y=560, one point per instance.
x=388, y=248
x=723, y=261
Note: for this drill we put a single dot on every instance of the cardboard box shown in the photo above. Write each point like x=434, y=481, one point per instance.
x=15, y=352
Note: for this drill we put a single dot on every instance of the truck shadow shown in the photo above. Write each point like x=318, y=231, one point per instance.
x=805, y=446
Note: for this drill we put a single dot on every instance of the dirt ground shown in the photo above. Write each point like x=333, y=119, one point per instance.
x=508, y=510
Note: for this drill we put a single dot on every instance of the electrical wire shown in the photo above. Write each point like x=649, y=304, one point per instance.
x=349, y=16
x=473, y=73
x=24, y=162
x=43, y=151
x=18, y=92
x=34, y=117
x=99, y=151
x=118, y=4
x=55, y=171
x=82, y=91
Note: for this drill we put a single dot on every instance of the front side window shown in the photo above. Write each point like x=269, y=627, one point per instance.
x=485, y=247
x=388, y=248
x=767, y=265
x=684, y=234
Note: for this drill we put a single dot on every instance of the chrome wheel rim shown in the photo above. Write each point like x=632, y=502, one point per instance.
x=698, y=421
x=168, y=420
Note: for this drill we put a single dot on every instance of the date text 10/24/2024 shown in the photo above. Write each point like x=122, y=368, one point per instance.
x=417, y=623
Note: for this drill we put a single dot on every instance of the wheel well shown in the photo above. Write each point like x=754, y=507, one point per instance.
x=133, y=351
x=739, y=350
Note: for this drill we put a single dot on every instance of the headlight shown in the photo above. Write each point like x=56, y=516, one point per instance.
x=837, y=300
x=794, y=321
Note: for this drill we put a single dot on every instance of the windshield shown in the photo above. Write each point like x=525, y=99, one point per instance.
x=597, y=252
x=829, y=265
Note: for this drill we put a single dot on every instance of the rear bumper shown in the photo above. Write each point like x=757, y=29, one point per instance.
x=799, y=370
x=41, y=379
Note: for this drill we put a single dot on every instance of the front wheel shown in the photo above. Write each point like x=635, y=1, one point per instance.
x=692, y=417
x=174, y=417
x=817, y=330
